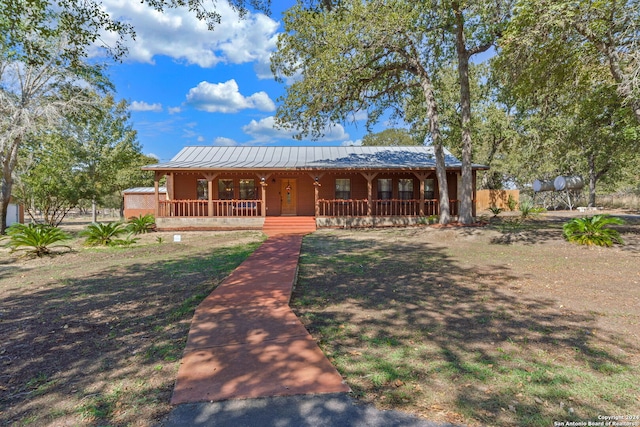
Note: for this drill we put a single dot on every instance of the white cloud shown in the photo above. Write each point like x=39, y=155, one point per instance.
x=226, y=98
x=200, y=138
x=143, y=106
x=178, y=34
x=360, y=116
x=174, y=110
x=264, y=130
x=224, y=141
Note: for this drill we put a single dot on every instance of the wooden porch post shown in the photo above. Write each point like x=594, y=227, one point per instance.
x=421, y=177
x=263, y=196
x=316, y=191
x=369, y=177
x=156, y=189
x=210, y=177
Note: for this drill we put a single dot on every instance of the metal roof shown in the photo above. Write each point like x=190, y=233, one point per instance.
x=144, y=190
x=306, y=158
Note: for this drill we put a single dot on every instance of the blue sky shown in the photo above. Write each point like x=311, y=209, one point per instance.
x=190, y=86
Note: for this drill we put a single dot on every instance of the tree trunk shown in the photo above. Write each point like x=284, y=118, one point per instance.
x=94, y=211
x=594, y=176
x=434, y=129
x=466, y=196
x=5, y=193
x=9, y=158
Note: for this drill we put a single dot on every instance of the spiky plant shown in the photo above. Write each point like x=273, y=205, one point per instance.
x=495, y=210
x=141, y=224
x=35, y=239
x=103, y=234
x=593, y=230
x=528, y=210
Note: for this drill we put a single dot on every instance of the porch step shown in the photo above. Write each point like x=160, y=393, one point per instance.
x=274, y=225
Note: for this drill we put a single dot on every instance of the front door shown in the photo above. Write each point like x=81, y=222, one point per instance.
x=288, y=196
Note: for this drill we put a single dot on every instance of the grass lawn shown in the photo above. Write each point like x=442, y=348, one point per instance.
x=502, y=325
x=497, y=326
x=94, y=337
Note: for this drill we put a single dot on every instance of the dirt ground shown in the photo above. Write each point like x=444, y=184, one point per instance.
x=490, y=325
x=94, y=336
x=487, y=326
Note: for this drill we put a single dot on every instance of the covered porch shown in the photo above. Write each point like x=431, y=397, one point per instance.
x=234, y=200
x=210, y=187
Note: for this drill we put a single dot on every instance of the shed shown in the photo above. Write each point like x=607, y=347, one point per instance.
x=141, y=200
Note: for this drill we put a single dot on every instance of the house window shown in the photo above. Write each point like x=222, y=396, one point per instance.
x=343, y=189
x=202, y=189
x=385, y=189
x=225, y=189
x=247, y=189
x=429, y=189
x=405, y=189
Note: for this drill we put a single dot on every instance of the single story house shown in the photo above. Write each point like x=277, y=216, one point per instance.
x=211, y=187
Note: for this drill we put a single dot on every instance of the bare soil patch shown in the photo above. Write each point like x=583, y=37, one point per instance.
x=498, y=325
x=94, y=336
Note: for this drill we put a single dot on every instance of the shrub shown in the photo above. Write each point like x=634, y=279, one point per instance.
x=141, y=224
x=35, y=239
x=593, y=230
x=528, y=210
x=495, y=210
x=103, y=234
x=512, y=203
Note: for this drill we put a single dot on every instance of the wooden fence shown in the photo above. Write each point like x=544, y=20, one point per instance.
x=498, y=198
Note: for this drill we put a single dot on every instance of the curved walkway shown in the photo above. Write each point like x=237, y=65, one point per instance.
x=245, y=342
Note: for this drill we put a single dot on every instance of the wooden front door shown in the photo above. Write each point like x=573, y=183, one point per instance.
x=288, y=196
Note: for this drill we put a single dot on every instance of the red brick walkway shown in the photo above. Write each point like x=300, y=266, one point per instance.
x=245, y=341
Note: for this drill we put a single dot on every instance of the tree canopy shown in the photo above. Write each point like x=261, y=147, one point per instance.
x=385, y=58
x=544, y=42
x=360, y=56
x=390, y=137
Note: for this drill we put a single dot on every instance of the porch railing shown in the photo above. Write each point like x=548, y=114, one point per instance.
x=219, y=208
x=326, y=208
x=339, y=207
x=392, y=207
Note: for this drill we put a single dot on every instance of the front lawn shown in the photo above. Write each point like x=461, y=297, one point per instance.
x=94, y=337
x=457, y=325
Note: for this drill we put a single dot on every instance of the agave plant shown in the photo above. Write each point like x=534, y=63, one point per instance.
x=141, y=224
x=528, y=210
x=593, y=230
x=103, y=234
x=35, y=239
x=495, y=210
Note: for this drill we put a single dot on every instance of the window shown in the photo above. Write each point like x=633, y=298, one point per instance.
x=247, y=189
x=429, y=189
x=202, y=189
x=405, y=189
x=343, y=189
x=225, y=189
x=385, y=190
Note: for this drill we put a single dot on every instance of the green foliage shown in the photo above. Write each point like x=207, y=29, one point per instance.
x=35, y=239
x=141, y=224
x=511, y=203
x=104, y=234
x=593, y=230
x=528, y=210
x=390, y=137
x=495, y=210
x=47, y=183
